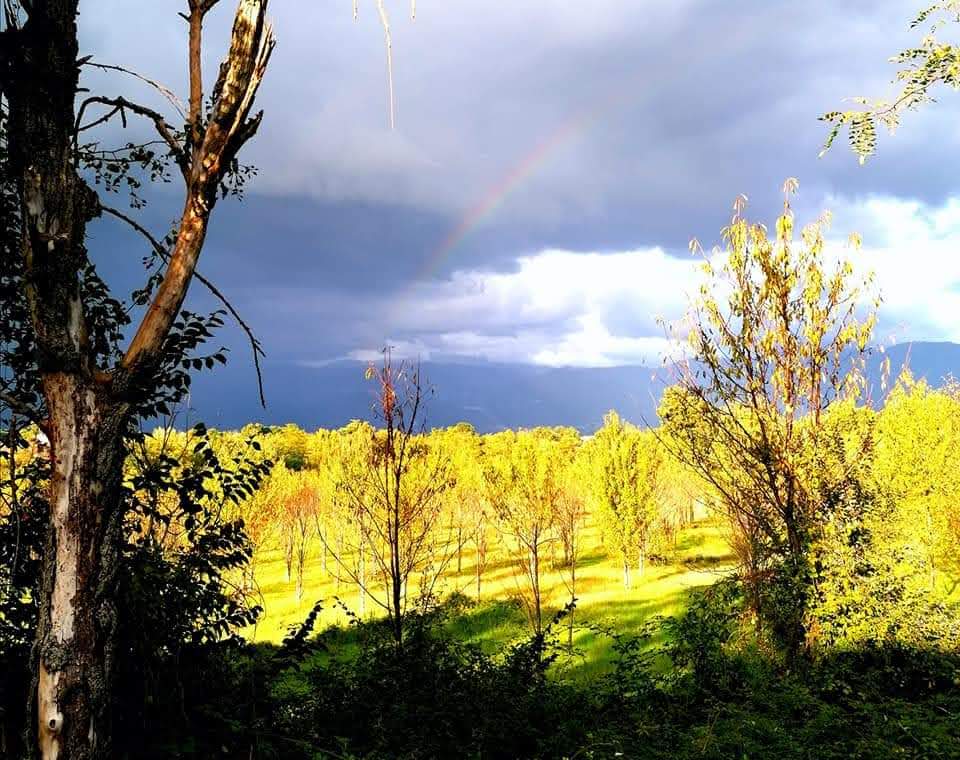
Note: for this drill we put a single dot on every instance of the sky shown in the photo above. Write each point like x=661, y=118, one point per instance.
x=551, y=160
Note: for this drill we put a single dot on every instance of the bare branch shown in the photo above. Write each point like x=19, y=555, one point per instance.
x=122, y=104
x=388, y=41
x=161, y=88
x=24, y=410
x=106, y=117
x=164, y=254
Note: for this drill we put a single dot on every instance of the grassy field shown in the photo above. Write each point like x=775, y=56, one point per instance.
x=700, y=556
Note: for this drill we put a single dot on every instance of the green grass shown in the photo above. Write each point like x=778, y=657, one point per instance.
x=699, y=557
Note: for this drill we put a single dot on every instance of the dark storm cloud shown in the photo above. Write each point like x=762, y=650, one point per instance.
x=683, y=106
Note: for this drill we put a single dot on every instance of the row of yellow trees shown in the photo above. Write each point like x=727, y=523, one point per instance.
x=392, y=514
x=392, y=510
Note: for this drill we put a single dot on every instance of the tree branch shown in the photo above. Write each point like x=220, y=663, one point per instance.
x=162, y=252
x=24, y=410
x=195, y=19
x=228, y=128
x=388, y=43
x=167, y=93
x=121, y=104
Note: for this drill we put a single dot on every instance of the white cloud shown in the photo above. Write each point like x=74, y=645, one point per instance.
x=554, y=309
x=601, y=309
x=914, y=251
x=399, y=349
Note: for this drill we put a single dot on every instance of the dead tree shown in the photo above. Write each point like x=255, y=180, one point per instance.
x=88, y=402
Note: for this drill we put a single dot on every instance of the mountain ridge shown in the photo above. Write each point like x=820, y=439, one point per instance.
x=490, y=396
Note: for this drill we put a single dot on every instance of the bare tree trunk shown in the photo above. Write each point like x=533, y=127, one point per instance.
x=288, y=554
x=323, y=543
x=535, y=582
x=757, y=601
x=339, y=553
x=301, y=562
x=397, y=606
x=363, y=582
x=76, y=632
x=481, y=557
x=393, y=538
x=626, y=574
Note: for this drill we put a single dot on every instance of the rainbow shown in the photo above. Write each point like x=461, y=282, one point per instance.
x=498, y=194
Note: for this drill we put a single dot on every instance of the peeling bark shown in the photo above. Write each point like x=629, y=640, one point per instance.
x=76, y=634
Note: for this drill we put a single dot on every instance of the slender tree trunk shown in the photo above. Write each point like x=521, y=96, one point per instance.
x=535, y=579
x=76, y=635
x=626, y=574
x=397, y=599
x=288, y=554
x=323, y=545
x=757, y=601
x=481, y=558
x=573, y=596
x=793, y=628
x=339, y=553
x=301, y=561
x=363, y=582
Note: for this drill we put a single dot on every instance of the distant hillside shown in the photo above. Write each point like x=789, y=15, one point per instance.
x=489, y=396
x=934, y=362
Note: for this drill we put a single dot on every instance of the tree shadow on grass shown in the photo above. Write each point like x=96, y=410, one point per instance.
x=593, y=653
x=717, y=564
x=496, y=625
x=690, y=540
x=591, y=560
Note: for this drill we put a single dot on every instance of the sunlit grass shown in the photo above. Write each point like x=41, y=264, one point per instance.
x=699, y=557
